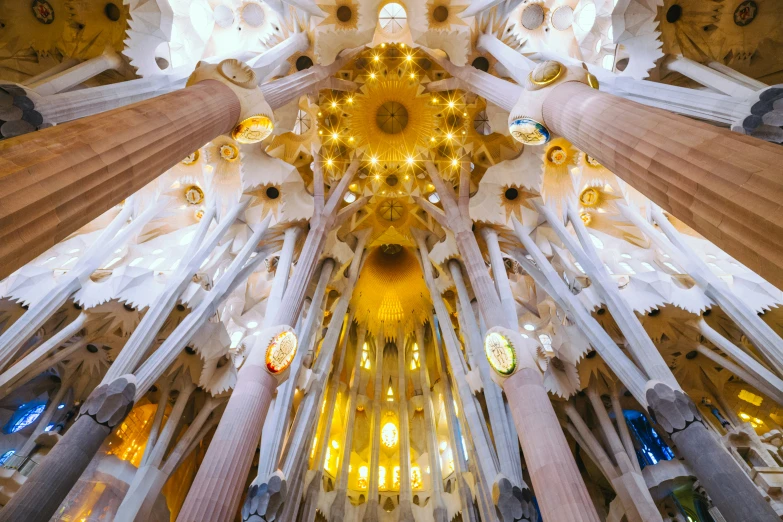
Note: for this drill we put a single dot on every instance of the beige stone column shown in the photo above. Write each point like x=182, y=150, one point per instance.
x=55, y=181
x=217, y=489
x=724, y=185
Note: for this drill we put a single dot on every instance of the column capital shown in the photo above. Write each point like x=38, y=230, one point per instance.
x=526, y=120
x=256, y=120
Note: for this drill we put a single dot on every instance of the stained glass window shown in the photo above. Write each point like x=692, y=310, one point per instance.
x=5, y=456
x=27, y=415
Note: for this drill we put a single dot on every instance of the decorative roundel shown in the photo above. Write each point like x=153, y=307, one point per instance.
x=586, y=218
x=43, y=11
x=562, y=17
x=238, y=73
x=281, y=351
x=529, y=131
x=556, y=155
x=191, y=158
x=532, y=17
x=253, y=129
x=194, y=195
x=500, y=353
x=590, y=197
x=546, y=73
x=229, y=152
x=745, y=13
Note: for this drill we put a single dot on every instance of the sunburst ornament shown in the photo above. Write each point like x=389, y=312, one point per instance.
x=559, y=158
x=342, y=15
x=391, y=116
x=442, y=16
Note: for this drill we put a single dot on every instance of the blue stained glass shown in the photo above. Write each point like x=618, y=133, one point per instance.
x=651, y=448
x=5, y=456
x=28, y=417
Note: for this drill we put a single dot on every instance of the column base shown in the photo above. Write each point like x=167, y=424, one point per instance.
x=371, y=512
x=511, y=502
x=142, y=494
x=405, y=511
x=337, y=511
x=266, y=500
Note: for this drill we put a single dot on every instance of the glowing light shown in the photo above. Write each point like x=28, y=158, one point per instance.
x=449, y=136
x=383, y=46
x=235, y=338
x=432, y=139
x=464, y=114
x=362, y=481
x=376, y=58
x=389, y=435
x=382, y=477
x=373, y=160
x=350, y=138
x=396, y=477
x=335, y=444
x=529, y=327
x=435, y=100
x=413, y=76
x=335, y=135
x=281, y=351
x=329, y=162
x=349, y=197
x=408, y=58
x=443, y=445
x=372, y=75
x=416, y=477
x=433, y=198
x=454, y=162
x=500, y=353
x=350, y=100
x=451, y=104
x=410, y=161
x=334, y=104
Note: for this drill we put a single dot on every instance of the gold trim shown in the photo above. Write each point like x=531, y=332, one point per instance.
x=592, y=81
x=253, y=129
x=548, y=80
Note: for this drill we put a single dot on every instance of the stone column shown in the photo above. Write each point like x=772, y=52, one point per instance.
x=282, y=272
x=62, y=81
x=337, y=511
x=59, y=179
x=504, y=445
x=707, y=76
x=406, y=492
x=721, y=184
x=216, y=491
x=439, y=512
x=735, y=495
x=270, y=449
x=490, y=236
x=371, y=511
x=40, y=496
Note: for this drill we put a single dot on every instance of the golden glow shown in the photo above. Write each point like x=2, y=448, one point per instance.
x=389, y=435
x=455, y=162
x=416, y=481
x=335, y=444
x=396, y=478
x=334, y=105
x=443, y=445
x=362, y=480
x=390, y=394
x=382, y=477
x=253, y=129
x=752, y=398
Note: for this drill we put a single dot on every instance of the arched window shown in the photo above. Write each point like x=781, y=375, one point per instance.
x=5, y=456
x=26, y=415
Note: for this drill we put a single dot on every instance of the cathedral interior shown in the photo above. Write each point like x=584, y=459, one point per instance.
x=375, y=261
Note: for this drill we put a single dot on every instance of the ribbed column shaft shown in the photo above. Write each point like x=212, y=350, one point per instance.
x=55, y=181
x=559, y=487
x=724, y=185
x=218, y=487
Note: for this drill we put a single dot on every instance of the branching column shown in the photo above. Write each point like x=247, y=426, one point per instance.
x=557, y=482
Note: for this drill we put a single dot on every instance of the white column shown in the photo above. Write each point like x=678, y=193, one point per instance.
x=282, y=272
x=373, y=486
x=708, y=77
x=77, y=74
x=490, y=236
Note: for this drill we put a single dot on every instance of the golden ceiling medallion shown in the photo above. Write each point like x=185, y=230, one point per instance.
x=238, y=73
x=545, y=73
x=391, y=210
x=253, y=129
x=556, y=155
x=586, y=218
x=192, y=158
x=229, y=152
x=194, y=195
x=590, y=197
